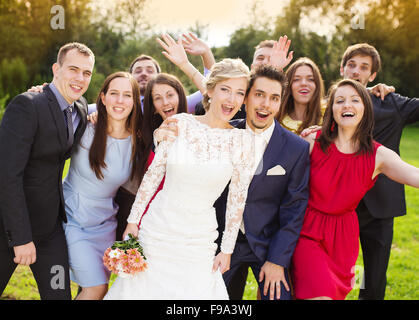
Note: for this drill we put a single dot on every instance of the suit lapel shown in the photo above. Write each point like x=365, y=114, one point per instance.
x=82, y=111
x=58, y=116
x=270, y=156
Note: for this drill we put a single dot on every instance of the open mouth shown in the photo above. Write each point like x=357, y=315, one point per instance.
x=262, y=115
x=227, y=110
x=169, y=111
x=75, y=87
x=304, y=91
x=118, y=109
x=348, y=114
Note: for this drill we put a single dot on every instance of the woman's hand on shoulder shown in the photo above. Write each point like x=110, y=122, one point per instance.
x=168, y=130
x=38, y=88
x=92, y=118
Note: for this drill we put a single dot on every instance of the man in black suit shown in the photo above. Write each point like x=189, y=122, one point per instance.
x=37, y=135
x=386, y=199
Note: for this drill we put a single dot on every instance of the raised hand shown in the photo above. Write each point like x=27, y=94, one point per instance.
x=193, y=45
x=280, y=57
x=174, y=51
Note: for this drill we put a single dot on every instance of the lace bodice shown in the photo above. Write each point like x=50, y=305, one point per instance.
x=198, y=166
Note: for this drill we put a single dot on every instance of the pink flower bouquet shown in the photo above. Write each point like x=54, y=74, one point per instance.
x=125, y=257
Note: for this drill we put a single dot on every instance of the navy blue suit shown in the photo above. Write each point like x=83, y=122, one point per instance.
x=274, y=211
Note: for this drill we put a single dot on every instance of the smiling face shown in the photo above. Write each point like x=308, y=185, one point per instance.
x=118, y=100
x=303, y=85
x=72, y=77
x=227, y=97
x=165, y=100
x=358, y=68
x=348, y=108
x=262, y=103
x=143, y=71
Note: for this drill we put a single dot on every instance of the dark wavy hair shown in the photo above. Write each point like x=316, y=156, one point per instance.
x=313, y=113
x=363, y=133
x=152, y=119
x=98, y=148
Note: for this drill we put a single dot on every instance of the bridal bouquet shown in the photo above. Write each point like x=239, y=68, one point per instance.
x=125, y=257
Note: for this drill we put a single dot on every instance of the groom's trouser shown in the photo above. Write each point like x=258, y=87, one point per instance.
x=243, y=257
x=51, y=270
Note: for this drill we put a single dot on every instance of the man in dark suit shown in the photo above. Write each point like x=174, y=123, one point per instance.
x=37, y=135
x=386, y=199
x=277, y=196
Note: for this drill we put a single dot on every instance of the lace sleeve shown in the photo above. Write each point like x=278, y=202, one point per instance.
x=150, y=182
x=243, y=159
x=154, y=174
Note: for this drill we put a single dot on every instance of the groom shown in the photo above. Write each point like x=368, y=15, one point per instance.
x=277, y=196
x=37, y=134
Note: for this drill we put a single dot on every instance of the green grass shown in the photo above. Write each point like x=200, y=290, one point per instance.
x=403, y=271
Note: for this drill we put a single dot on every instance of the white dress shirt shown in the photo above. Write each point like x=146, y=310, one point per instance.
x=262, y=138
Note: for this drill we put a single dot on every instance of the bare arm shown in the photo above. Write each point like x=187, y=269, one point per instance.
x=389, y=163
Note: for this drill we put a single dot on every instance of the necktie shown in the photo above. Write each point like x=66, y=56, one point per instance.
x=69, y=122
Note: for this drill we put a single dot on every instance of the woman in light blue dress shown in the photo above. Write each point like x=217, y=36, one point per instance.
x=106, y=158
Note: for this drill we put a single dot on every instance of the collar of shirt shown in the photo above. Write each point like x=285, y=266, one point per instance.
x=265, y=134
x=61, y=101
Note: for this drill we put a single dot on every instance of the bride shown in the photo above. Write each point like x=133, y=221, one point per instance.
x=179, y=230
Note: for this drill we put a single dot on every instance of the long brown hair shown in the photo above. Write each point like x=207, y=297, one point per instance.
x=98, y=148
x=152, y=119
x=363, y=132
x=313, y=113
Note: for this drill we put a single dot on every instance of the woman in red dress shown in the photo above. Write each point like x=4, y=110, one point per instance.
x=345, y=162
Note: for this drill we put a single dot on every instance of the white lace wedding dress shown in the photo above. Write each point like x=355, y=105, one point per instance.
x=179, y=229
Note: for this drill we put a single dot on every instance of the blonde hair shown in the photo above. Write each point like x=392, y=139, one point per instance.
x=223, y=70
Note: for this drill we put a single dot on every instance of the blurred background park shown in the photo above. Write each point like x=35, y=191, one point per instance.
x=117, y=31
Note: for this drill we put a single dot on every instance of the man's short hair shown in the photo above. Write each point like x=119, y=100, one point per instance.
x=144, y=57
x=265, y=44
x=363, y=49
x=81, y=48
x=269, y=72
